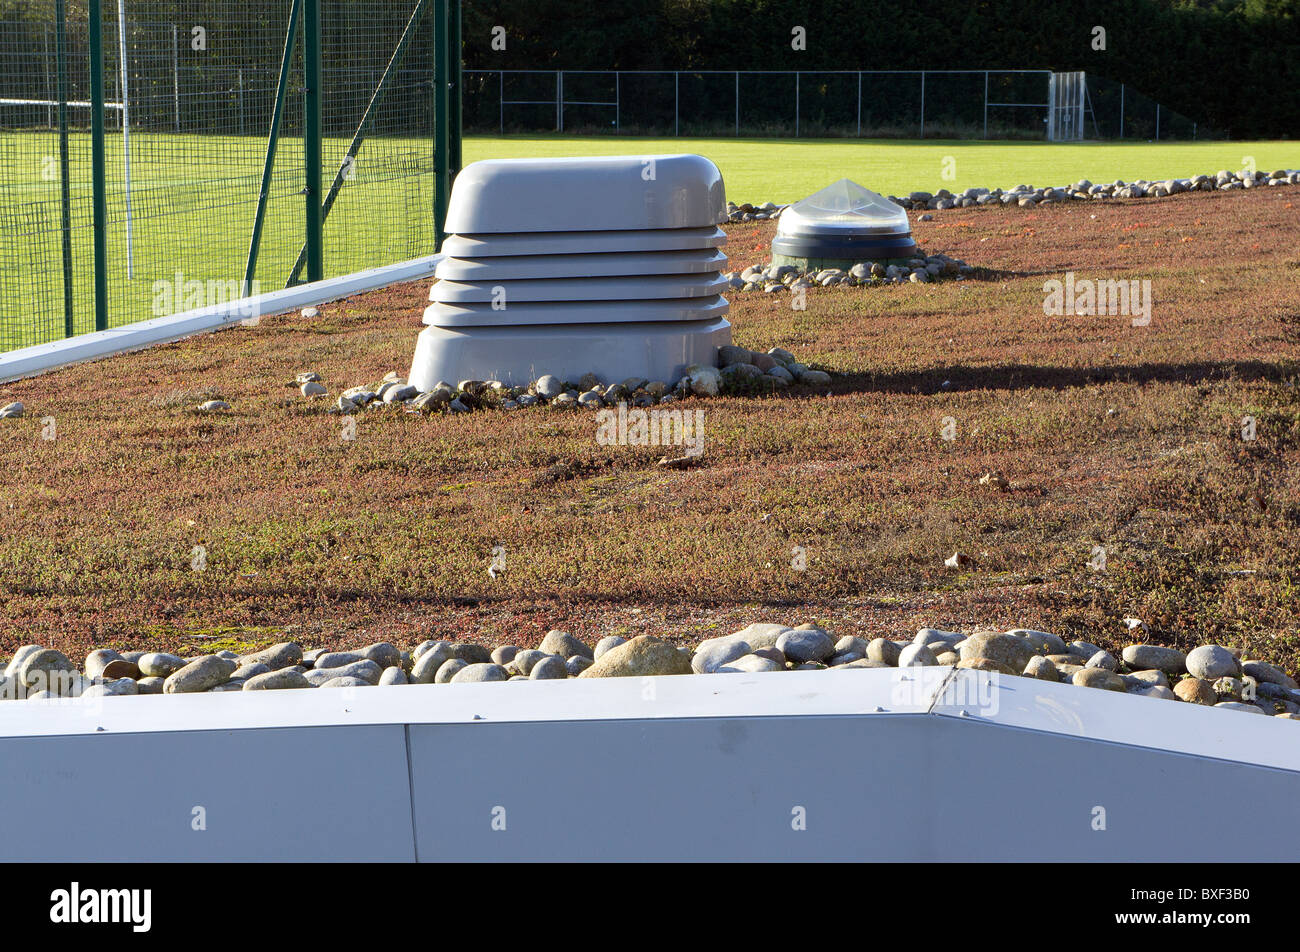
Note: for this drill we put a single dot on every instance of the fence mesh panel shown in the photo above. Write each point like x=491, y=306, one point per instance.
x=200, y=90
x=871, y=103
x=1117, y=110
x=992, y=103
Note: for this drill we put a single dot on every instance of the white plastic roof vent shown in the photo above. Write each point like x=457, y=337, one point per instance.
x=626, y=288
x=607, y=193
x=562, y=313
x=607, y=265
x=583, y=242
x=843, y=222
x=523, y=267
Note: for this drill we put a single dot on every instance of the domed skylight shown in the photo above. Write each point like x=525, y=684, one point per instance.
x=844, y=208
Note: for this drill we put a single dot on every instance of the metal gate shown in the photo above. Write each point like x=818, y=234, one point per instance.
x=1067, y=93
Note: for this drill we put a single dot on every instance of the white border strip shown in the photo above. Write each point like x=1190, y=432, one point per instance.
x=29, y=361
x=1064, y=710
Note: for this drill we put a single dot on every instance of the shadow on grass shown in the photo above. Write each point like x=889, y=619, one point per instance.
x=1028, y=377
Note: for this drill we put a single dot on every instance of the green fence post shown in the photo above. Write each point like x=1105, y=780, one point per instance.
x=359, y=135
x=454, y=91
x=96, y=27
x=271, y=140
x=61, y=54
x=441, y=133
x=312, y=137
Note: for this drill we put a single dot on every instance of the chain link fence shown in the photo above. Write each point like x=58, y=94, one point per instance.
x=1119, y=111
x=190, y=92
x=994, y=103
x=901, y=103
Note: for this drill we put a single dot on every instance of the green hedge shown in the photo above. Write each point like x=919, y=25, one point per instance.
x=1231, y=65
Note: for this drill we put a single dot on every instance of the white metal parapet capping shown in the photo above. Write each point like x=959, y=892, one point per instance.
x=28, y=361
x=906, y=764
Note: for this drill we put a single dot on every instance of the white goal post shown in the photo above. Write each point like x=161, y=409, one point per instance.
x=124, y=107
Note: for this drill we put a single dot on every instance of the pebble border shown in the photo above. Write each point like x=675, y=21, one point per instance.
x=1027, y=196
x=1209, y=675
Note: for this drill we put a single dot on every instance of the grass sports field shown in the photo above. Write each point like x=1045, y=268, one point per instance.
x=784, y=170
x=193, y=199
